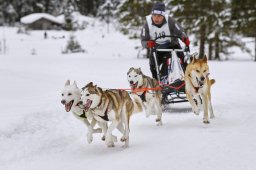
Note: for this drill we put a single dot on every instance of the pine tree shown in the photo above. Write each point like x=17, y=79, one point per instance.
x=106, y=10
x=244, y=18
x=73, y=46
x=10, y=14
x=89, y=7
x=68, y=16
x=210, y=21
x=193, y=16
x=132, y=16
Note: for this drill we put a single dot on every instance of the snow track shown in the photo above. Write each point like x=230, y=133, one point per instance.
x=37, y=133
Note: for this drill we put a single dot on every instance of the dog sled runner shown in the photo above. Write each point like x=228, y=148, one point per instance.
x=172, y=84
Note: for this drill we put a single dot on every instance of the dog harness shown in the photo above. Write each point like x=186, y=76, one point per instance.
x=105, y=116
x=196, y=88
x=83, y=115
x=143, y=96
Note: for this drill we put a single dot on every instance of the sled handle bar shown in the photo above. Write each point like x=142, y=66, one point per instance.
x=170, y=50
x=164, y=36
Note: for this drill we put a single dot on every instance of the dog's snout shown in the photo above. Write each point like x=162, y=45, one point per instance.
x=63, y=101
x=131, y=82
x=80, y=103
x=202, y=78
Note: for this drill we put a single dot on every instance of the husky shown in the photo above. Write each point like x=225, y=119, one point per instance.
x=115, y=106
x=151, y=98
x=198, y=86
x=71, y=95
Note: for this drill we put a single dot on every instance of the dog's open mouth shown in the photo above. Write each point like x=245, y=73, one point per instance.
x=200, y=83
x=69, y=105
x=87, y=105
x=134, y=85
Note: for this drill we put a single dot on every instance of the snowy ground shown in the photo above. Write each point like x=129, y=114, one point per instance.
x=36, y=132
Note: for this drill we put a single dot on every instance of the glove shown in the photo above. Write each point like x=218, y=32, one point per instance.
x=151, y=44
x=186, y=41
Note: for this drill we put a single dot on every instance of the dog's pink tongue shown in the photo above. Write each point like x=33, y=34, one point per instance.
x=87, y=105
x=67, y=107
x=134, y=86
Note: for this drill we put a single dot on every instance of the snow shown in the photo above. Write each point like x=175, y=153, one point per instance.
x=37, y=16
x=77, y=17
x=37, y=133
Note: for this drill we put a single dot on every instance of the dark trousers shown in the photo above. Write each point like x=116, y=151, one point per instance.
x=162, y=59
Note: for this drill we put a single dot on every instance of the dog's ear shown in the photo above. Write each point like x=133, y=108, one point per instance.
x=139, y=71
x=205, y=58
x=192, y=59
x=98, y=89
x=130, y=70
x=74, y=84
x=89, y=84
x=67, y=83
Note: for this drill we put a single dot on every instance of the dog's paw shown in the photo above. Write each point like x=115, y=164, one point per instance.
x=195, y=110
x=125, y=146
x=89, y=138
x=109, y=144
x=196, y=113
x=103, y=138
x=159, y=122
x=206, y=121
x=123, y=139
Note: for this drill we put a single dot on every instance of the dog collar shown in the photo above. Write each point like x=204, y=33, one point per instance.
x=143, y=96
x=105, y=116
x=79, y=103
x=83, y=115
x=196, y=88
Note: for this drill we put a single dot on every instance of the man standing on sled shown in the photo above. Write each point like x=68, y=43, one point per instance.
x=158, y=23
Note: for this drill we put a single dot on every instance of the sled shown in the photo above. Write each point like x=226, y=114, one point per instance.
x=173, y=92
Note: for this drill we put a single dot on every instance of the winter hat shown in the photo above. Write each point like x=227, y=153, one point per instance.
x=158, y=8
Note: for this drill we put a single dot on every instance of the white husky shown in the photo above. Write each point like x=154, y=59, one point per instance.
x=71, y=99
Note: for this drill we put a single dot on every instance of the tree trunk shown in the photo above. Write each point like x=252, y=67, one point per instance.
x=217, y=47
x=210, y=50
x=255, y=48
x=202, y=41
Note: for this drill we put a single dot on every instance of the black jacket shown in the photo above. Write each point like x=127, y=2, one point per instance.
x=175, y=29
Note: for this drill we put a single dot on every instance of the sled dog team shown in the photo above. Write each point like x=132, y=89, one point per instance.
x=112, y=108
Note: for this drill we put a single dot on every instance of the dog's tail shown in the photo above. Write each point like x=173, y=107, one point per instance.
x=137, y=102
x=212, y=81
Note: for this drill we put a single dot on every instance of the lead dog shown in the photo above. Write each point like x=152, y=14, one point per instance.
x=115, y=106
x=70, y=98
x=198, y=86
x=151, y=98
